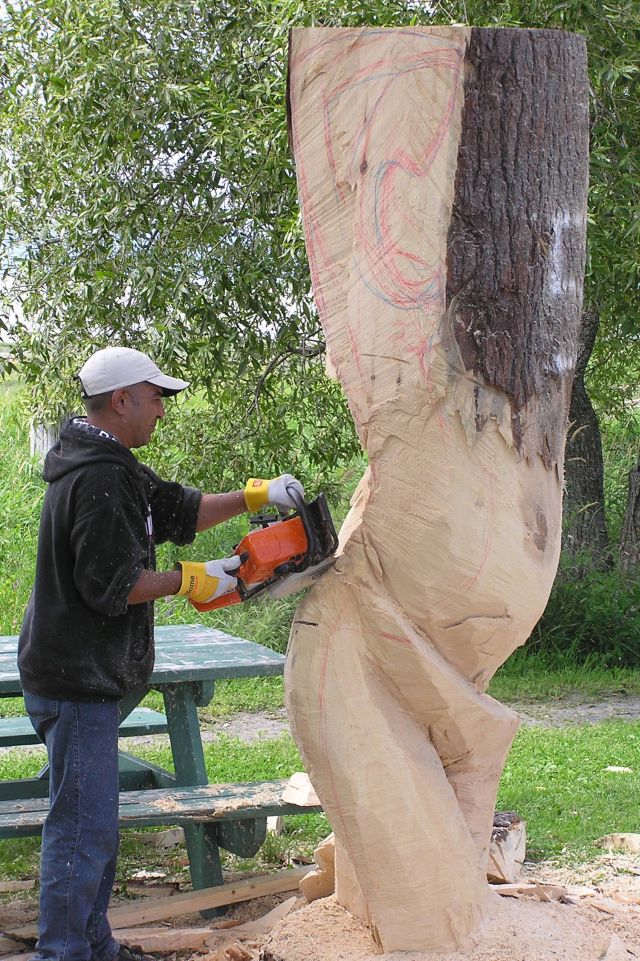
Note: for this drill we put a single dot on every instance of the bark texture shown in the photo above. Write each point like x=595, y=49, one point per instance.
x=630, y=534
x=585, y=528
x=442, y=174
x=517, y=228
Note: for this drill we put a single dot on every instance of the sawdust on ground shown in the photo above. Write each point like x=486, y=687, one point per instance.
x=516, y=930
x=519, y=930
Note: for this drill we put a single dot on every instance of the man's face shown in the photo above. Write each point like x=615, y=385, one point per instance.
x=145, y=407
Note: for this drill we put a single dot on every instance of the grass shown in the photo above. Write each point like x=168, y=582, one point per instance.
x=556, y=779
x=533, y=678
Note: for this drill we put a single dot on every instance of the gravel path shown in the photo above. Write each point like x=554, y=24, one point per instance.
x=570, y=709
x=573, y=709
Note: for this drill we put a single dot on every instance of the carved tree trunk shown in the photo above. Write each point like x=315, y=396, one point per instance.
x=630, y=534
x=585, y=526
x=442, y=174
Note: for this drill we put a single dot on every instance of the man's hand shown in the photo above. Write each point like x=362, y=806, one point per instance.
x=205, y=582
x=259, y=493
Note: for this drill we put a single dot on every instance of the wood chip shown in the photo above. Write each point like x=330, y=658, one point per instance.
x=630, y=843
x=300, y=791
x=231, y=952
x=263, y=925
x=617, y=951
x=534, y=889
x=599, y=906
x=164, y=940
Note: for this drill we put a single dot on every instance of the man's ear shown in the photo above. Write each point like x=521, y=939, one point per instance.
x=119, y=400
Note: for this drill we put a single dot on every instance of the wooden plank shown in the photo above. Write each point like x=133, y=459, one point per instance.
x=11, y=945
x=543, y=892
x=199, y=939
x=170, y=939
x=213, y=802
x=158, y=909
x=287, y=880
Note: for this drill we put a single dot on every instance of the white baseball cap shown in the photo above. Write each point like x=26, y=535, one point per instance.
x=115, y=367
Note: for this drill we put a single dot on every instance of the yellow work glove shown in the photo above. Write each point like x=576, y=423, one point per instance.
x=260, y=493
x=205, y=582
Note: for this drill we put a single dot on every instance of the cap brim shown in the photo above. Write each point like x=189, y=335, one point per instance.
x=170, y=385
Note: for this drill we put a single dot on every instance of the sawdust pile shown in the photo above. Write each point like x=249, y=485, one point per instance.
x=518, y=930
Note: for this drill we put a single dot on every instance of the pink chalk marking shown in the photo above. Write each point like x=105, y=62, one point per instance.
x=386, y=259
x=401, y=640
x=443, y=423
x=400, y=288
x=324, y=736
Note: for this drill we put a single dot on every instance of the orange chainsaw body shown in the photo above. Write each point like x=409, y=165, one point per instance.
x=264, y=550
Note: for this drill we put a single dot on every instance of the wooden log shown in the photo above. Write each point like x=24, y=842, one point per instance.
x=507, y=847
x=443, y=177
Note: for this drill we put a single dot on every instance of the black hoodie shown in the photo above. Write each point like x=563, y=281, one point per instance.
x=103, y=512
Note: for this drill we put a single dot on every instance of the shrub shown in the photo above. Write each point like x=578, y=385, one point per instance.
x=590, y=617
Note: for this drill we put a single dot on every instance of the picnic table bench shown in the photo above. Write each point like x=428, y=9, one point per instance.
x=248, y=803
x=189, y=660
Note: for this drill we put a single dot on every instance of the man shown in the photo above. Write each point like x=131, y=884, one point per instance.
x=87, y=636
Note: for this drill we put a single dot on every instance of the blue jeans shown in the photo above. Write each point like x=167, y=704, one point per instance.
x=80, y=835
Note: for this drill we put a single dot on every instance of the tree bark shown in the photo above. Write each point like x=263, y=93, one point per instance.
x=630, y=534
x=585, y=529
x=442, y=175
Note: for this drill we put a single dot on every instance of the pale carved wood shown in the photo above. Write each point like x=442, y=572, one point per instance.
x=442, y=176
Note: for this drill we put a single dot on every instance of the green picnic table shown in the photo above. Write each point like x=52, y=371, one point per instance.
x=189, y=660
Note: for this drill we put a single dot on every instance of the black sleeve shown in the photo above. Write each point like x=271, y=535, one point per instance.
x=174, y=508
x=109, y=540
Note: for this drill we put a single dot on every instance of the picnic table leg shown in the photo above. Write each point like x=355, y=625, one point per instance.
x=180, y=703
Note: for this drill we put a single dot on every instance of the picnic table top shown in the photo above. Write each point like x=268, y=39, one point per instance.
x=184, y=652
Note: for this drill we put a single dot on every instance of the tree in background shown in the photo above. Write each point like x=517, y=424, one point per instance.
x=148, y=198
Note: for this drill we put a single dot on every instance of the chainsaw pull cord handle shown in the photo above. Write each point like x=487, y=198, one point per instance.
x=301, y=507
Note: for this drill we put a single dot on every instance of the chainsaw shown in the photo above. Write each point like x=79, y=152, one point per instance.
x=282, y=553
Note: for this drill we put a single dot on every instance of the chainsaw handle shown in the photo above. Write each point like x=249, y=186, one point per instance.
x=301, y=507
x=225, y=600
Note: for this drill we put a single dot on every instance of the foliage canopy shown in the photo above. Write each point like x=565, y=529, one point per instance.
x=149, y=198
